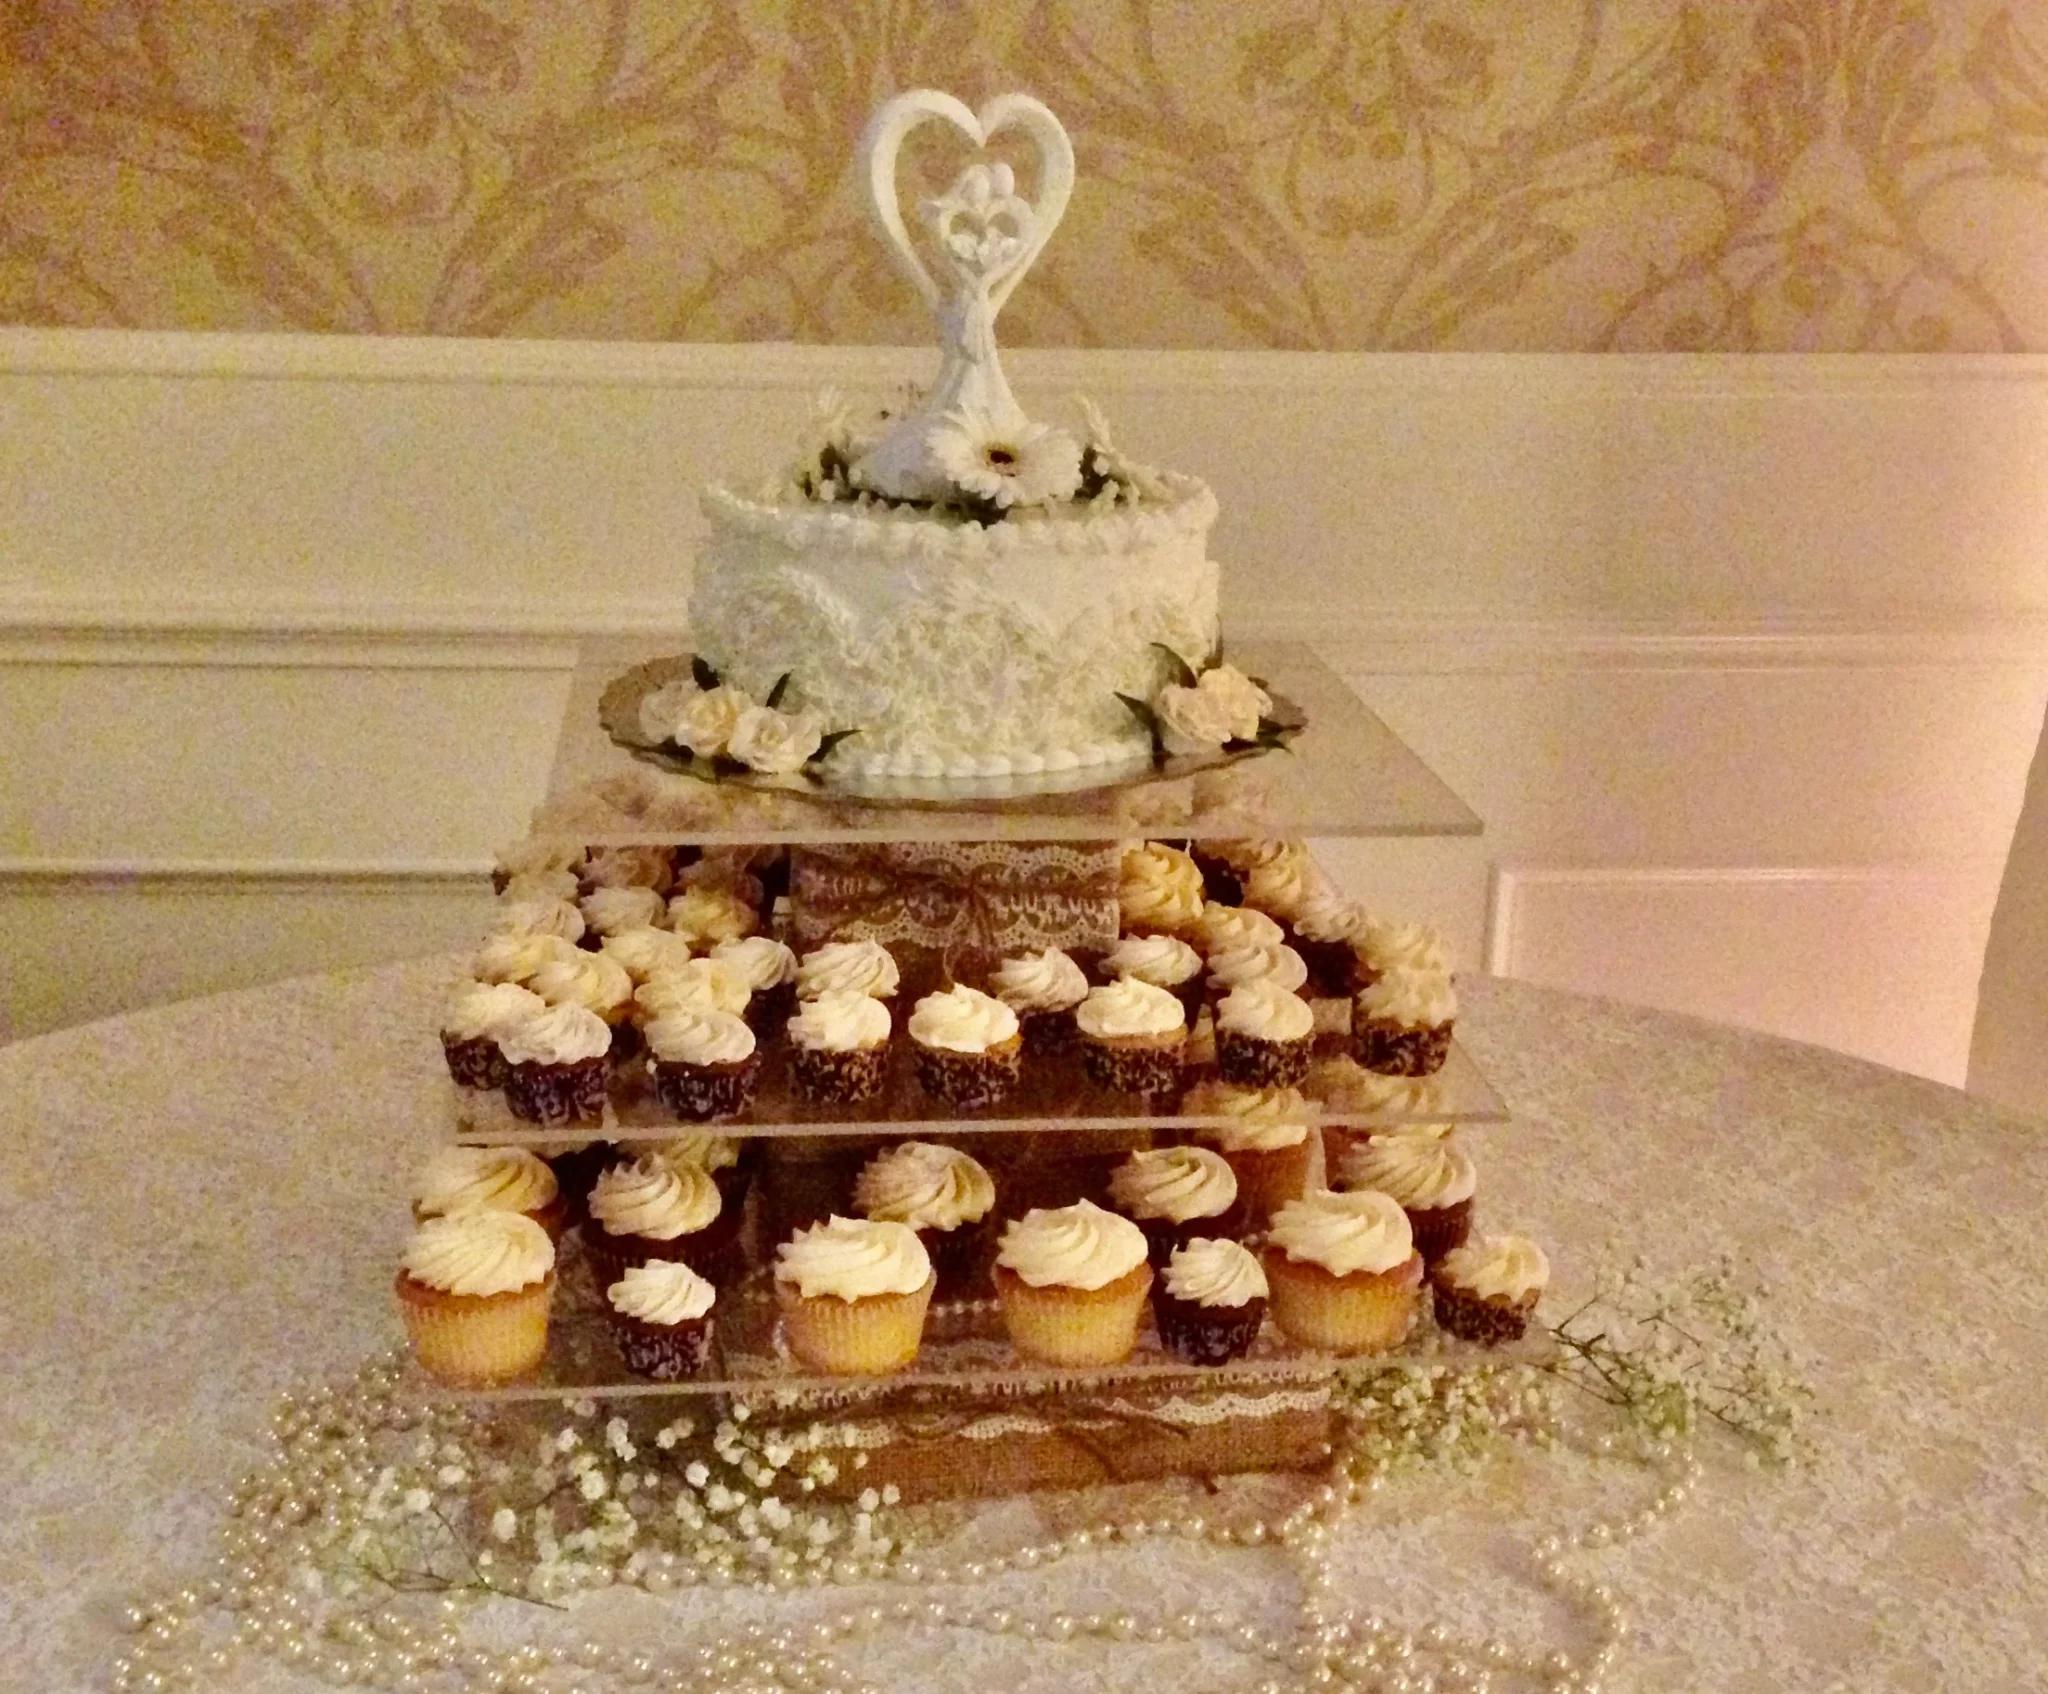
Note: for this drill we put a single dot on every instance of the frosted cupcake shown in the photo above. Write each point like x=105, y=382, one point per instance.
x=941, y=1193
x=517, y=858
x=629, y=867
x=853, y=1295
x=1401, y=1025
x=493, y=1179
x=968, y=1047
x=711, y=985
x=1222, y=929
x=474, y=1288
x=1159, y=891
x=769, y=971
x=1131, y=1037
x=839, y=1047
x=1072, y=1282
x=1431, y=1176
x=556, y=917
x=602, y=984
x=1382, y=947
x=1209, y=1302
x=649, y=1209
x=1485, y=1290
x=1042, y=989
x=1327, y=928
x=1284, y=884
x=514, y=955
x=469, y=1030
x=1265, y=1035
x=539, y=887
x=1174, y=1194
x=1263, y=1134
x=645, y=951
x=606, y=911
x=706, y=914
x=705, y=1063
x=726, y=1161
x=556, y=1061
x=660, y=1315
x=1165, y=961
x=1261, y=961
x=1343, y=1271
x=865, y=967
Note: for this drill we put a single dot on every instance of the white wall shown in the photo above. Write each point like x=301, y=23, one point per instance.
x=1741, y=659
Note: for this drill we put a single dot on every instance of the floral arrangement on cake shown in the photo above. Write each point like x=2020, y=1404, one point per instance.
x=704, y=719
x=1215, y=707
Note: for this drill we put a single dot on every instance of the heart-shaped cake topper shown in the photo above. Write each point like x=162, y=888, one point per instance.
x=986, y=237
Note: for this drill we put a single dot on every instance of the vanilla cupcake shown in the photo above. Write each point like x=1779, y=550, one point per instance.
x=660, y=1315
x=556, y=1061
x=1165, y=961
x=711, y=985
x=1274, y=962
x=1072, y=1282
x=469, y=1030
x=1264, y=1135
x=864, y=967
x=853, y=1294
x=650, y=1209
x=940, y=1192
x=706, y=1063
x=474, y=1288
x=556, y=917
x=1265, y=1035
x=839, y=1047
x=1343, y=1271
x=645, y=951
x=606, y=911
x=1159, y=890
x=524, y=857
x=1042, y=989
x=1431, y=1176
x=1283, y=884
x=1225, y=929
x=1401, y=1025
x=1175, y=1194
x=1209, y=1302
x=968, y=1047
x=1131, y=1037
x=728, y=1162
x=1327, y=929
x=1486, y=1289
x=1381, y=947
x=592, y=980
x=492, y=1179
x=513, y=955
x=629, y=867
x=706, y=913
x=769, y=970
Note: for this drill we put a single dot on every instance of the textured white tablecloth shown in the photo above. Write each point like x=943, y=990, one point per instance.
x=202, y=1203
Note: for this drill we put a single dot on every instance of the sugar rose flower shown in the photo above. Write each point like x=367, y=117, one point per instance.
x=767, y=740
x=1191, y=721
x=707, y=723
x=1243, y=699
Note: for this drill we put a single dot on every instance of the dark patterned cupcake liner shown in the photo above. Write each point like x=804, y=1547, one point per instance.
x=557, y=1094
x=576, y=1169
x=956, y=1256
x=1138, y=1069
x=662, y=1352
x=828, y=1078
x=1332, y=967
x=1205, y=1335
x=475, y=1063
x=769, y=1010
x=626, y=1043
x=1047, y=1033
x=1164, y=1235
x=969, y=1081
x=1437, y=1229
x=1254, y=1062
x=703, y=1093
x=1392, y=1049
x=713, y=1252
x=1471, y=1318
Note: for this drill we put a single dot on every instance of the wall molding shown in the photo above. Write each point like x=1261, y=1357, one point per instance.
x=218, y=876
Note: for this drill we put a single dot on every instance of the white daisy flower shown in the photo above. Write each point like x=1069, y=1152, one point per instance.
x=1029, y=465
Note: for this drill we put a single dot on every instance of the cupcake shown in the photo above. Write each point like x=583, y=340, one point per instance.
x=1401, y=1025
x=712, y=985
x=1327, y=928
x=469, y=1030
x=968, y=1047
x=1131, y=1037
x=649, y=1209
x=520, y=858
x=1274, y=962
x=1165, y=961
x=726, y=1161
x=1159, y=891
x=660, y=1315
x=1072, y=1282
x=556, y=1062
x=1264, y=1135
x=1284, y=883
x=706, y=913
x=1486, y=1289
x=941, y=1193
x=606, y=911
x=629, y=867
x=1265, y=1035
x=539, y=887
x=705, y=1063
x=769, y=970
x=556, y=917
x=865, y=967
x=1432, y=1178
x=839, y=1048
x=1343, y=1271
x=602, y=984
x=474, y=1288
x=1042, y=989
x=1209, y=1302
x=513, y=955
x=645, y=951
x=1175, y=1194
x=853, y=1294
x=492, y=1179
x=1382, y=947
x=1223, y=929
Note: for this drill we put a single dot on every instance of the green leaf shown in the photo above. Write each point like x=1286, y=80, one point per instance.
x=1150, y=719
x=703, y=675
x=1182, y=672
x=827, y=743
x=775, y=693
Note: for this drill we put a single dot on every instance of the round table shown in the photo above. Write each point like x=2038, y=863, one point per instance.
x=204, y=1201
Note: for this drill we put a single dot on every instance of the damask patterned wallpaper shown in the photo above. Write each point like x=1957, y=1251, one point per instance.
x=1797, y=175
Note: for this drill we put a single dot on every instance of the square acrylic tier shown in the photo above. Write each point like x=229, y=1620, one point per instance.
x=1345, y=774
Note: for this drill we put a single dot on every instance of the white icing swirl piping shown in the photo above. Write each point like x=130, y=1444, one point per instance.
x=587, y=979
x=1361, y=1231
x=555, y=1035
x=708, y=984
x=1078, y=1246
x=1159, y=888
x=479, y=1010
x=842, y=1021
x=479, y=1253
x=1234, y=966
x=514, y=957
x=1499, y=1267
x=645, y=950
x=1226, y=929
x=504, y=1179
x=704, y=915
x=704, y=1148
x=654, y=1199
x=865, y=966
x=697, y=1035
x=1215, y=1273
x=962, y=1020
x=539, y=917
x=609, y=910
x=1129, y=1007
x=1174, y=1184
x=1421, y=1171
x=1412, y=999
x=853, y=1259
x=1257, y=1120
x=663, y=1292
x=1265, y=1011
x=924, y=1185
x=762, y=960
x=1040, y=982
x=1165, y=961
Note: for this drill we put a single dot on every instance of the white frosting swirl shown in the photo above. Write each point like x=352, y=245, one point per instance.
x=628, y=867
x=1247, y=855
x=504, y=1179
x=705, y=914
x=480, y=1009
x=1412, y=999
x=760, y=959
x=711, y=983
x=1343, y=1084
x=924, y=1185
x=1129, y=1007
x=1231, y=967
x=645, y=950
x=1329, y=916
x=1040, y=982
x=663, y=1292
x=533, y=853
x=514, y=956
x=1361, y=1231
x=704, y=1148
x=609, y=910
x=539, y=917
x=1497, y=1267
x=538, y=888
x=1258, y=1120
x=962, y=1020
x=1284, y=884
x=853, y=1259
x=1389, y=946
x=1174, y=1183
x=861, y=965
x=1159, y=888
x=842, y=1021
x=479, y=1253
x=1215, y=1273
x=586, y=979
x=1165, y=961
x=1422, y=1171
x=567, y=1034
x=1265, y=1011
x=654, y=1199
x=1225, y=929
x=698, y=1035
x=1078, y=1246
